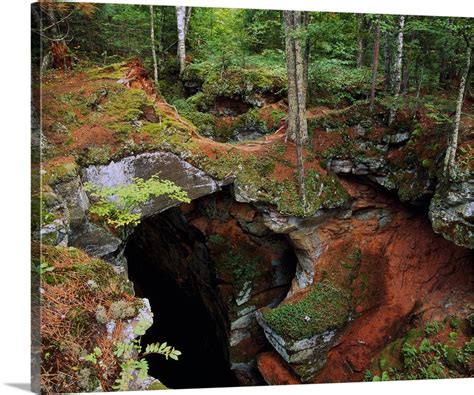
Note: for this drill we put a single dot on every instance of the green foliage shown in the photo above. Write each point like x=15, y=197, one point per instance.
x=140, y=328
x=119, y=205
x=337, y=82
x=415, y=356
x=455, y=322
x=163, y=349
x=235, y=259
x=134, y=364
x=216, y=239
x=409, y=354
x=383, y=377
x=128, y=370
x=126, y=350
x=433, y=327
x=42, y=267
x=368, y=375
x=204, y=122
x=425, y=345
x=92, y=357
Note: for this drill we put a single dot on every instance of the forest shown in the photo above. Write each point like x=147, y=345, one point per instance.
x=284, y=196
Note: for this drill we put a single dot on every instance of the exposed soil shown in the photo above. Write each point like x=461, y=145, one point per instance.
x=406, y=272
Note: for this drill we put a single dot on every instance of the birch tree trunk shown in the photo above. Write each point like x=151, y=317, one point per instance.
x=397, y=69
x=153, y=47
x=375, y=64
x=297, y=123
x=453, y=137
x=181, y=23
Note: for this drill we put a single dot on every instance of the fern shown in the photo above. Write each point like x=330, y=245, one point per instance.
x=163, y=349
x=124, y=350
x=132, y=368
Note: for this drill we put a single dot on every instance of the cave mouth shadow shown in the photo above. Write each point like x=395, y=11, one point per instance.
x=169, y=264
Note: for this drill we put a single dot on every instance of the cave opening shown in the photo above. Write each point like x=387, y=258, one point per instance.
x=159, y=254
x=171, y=263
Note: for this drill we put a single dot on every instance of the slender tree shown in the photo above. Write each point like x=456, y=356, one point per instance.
x=397, y=69
x=387, y=66
x=183, y=16
x=297, y=129
x=187, y=19
x=375, y=64
x=153, y=47
x=181, y=23
x=453, y=136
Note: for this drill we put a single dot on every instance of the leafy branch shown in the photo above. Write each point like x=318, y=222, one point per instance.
x=119, y=205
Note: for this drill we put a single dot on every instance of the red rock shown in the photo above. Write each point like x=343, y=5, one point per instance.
x=274, y=371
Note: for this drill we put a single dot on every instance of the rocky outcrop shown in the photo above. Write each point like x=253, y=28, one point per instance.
x=69, y=202
x=390, y=288
x=452, y=212
x=169, y=167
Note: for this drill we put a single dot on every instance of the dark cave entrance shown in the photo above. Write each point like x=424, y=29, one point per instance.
x=174, y=261
x=188, y=316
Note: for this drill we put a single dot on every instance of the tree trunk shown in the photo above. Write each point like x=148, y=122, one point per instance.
x=405, y=74
x=397, y=69
x=59, y=51
x=360, y=40
x=442, y=70
x=297, y=122
x=375, y=65
x=187, y=19
x=449, y=159
x=307, y=52
x=418, y=90
x=181, y=23
x=387, y=62
x=153, y=47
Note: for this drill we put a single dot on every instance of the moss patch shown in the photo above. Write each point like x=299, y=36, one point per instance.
x=260, y=178
x=324, y=307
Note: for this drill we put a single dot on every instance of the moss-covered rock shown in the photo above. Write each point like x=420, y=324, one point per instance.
x=246, y=84
x=325, y=307
x=306, y=325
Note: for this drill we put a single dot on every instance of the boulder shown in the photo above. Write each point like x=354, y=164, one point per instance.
x=396, y=138
x=305, y=356
x=169, y=167
x=452, y=212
